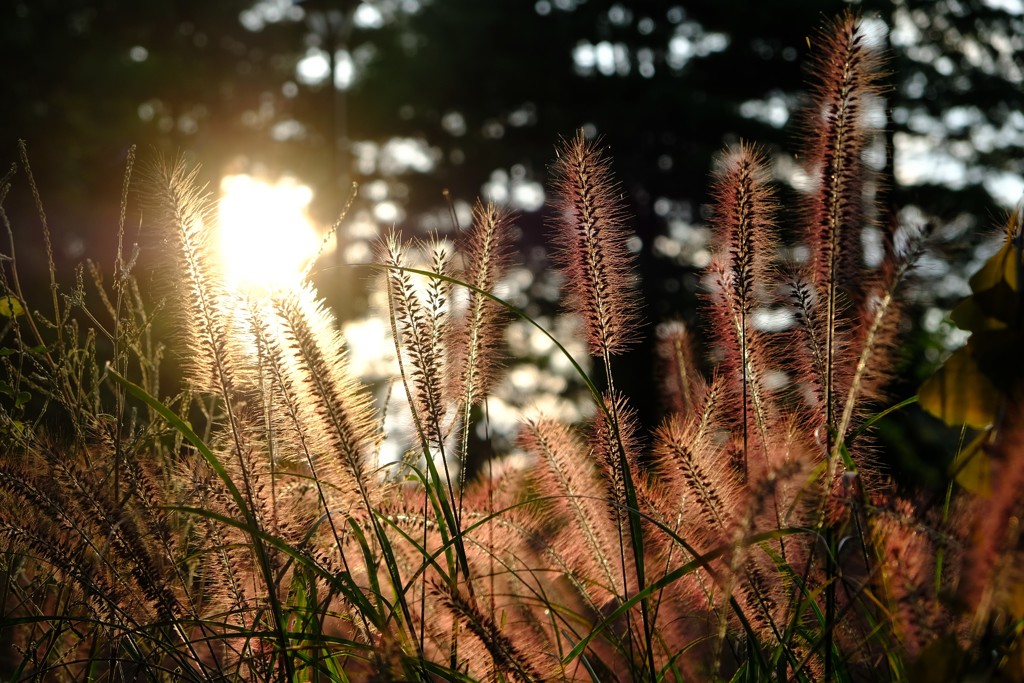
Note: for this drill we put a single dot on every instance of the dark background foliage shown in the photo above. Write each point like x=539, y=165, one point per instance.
x=484, y=90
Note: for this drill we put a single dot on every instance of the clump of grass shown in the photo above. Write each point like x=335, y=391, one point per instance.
x=751, y=536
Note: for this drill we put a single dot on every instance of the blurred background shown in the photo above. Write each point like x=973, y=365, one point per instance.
x=286, y=103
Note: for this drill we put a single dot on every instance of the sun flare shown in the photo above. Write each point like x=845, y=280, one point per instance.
x=266, y=236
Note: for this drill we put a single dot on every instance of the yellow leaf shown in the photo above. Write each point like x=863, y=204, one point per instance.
x=1015, y=594
x=1003, y=266
x=938, y=662
x=10, y=307
x=971, y=316
x=959, y=393
x=971, y=467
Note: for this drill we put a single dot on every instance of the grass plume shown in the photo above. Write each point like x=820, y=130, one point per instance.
x=592, y=252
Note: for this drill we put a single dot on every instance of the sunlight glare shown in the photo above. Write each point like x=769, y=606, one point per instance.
x=266, y=237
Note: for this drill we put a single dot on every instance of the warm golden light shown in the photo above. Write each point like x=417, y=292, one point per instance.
x=266, y=237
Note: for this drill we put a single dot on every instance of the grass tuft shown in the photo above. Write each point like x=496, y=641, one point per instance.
x=244, y=530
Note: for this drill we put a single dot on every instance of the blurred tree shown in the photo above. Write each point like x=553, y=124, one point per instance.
x=471, y=96
x=484, y=86
x=487, y=86
x=85, y=79
x=473, y=87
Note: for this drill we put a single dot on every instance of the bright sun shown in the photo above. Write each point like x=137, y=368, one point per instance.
x=266, y=237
